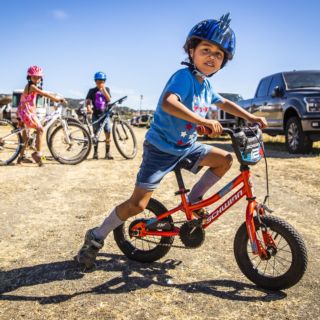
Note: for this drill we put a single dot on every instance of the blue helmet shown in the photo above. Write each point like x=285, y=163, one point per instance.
x=217, y=32
x=100, y=76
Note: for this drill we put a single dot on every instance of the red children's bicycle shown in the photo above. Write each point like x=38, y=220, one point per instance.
x=268, y=250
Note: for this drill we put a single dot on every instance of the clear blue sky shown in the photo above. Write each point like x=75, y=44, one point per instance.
x=138, y=43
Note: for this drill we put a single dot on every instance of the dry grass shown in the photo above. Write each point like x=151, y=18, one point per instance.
x=278, y=141
x=45, y=212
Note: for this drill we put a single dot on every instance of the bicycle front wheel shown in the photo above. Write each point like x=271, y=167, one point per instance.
x=10, y=142
x=70, y=145
x=285, y=264
x=56, y=124
x=124, y=139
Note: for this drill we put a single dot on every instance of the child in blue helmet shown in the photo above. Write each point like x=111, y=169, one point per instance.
x=172, y=136
x=97, y=100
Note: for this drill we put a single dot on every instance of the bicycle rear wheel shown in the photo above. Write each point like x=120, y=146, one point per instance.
x=148, y=248
x=70, y=146
x=124, y=139
x=10, y=142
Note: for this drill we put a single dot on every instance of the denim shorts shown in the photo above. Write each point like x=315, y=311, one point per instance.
x=156, y=164
x=97, y=126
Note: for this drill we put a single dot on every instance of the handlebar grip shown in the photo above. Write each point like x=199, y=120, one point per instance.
x=203, y=130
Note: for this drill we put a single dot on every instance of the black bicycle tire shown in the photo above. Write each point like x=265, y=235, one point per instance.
x=114, y=135
x=152, y=255
x=20, y=143
x=74, y=160
x=299, y=255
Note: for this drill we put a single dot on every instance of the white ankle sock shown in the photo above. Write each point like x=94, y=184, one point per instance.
x=108, y=225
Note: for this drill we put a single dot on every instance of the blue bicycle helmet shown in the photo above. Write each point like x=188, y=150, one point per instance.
x=100, y=76
x=217, y=32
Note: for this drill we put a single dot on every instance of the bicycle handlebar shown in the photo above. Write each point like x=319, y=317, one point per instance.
x=117, y=101
x=202, y=130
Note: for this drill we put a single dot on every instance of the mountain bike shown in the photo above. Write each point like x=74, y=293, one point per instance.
x=268, y=250
x=69, y=142
x=122, y=133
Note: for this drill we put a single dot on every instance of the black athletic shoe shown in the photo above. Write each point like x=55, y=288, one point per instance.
x=88, y=252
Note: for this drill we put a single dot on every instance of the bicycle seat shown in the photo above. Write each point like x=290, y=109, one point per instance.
x=183, y=164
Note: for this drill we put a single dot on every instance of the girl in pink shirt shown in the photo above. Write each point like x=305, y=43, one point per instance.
x=27, y=111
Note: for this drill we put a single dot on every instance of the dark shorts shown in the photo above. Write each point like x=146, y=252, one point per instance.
x=156, y=164
x=97, y=126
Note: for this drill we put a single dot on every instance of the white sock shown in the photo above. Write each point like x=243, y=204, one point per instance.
x=109, y=224
x=207, y=180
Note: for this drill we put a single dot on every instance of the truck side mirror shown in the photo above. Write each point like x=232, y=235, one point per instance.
x=277, y=92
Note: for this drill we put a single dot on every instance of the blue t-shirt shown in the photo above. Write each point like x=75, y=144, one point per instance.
x=174, y=135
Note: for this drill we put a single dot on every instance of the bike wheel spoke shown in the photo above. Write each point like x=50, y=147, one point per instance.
x=274, y=268
x=286, y=245
x=278, y=263
x=283, y=259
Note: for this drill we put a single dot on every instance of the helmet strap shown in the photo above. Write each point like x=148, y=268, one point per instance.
x=195, y=71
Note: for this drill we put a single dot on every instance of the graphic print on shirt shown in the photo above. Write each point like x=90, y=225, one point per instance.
x=187, y=136
x=200, y=106
x=100, y=101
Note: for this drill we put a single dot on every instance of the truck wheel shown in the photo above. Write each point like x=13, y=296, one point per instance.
x=296, y=140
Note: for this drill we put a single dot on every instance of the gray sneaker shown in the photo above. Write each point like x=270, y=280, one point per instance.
x=88, y=252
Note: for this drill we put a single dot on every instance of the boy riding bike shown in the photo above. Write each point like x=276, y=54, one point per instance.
x=96, y=101
x=172, y=137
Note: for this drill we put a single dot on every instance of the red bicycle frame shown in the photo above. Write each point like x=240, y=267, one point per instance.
x=245, y=190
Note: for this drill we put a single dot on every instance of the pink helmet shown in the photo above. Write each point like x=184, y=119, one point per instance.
x=35, y=71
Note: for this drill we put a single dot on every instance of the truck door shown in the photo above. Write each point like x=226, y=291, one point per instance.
x=261, y=98
x=274, y=108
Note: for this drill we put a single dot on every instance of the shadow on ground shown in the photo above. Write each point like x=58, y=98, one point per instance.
x=133, y=276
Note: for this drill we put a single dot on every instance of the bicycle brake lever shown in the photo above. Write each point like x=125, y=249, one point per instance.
x=264, y=206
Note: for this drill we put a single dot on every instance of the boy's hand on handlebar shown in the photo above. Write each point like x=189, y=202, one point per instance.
x=214, y=126
x=260, y=120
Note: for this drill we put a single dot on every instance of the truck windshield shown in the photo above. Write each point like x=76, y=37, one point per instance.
x=303, y=79
x=232, y=96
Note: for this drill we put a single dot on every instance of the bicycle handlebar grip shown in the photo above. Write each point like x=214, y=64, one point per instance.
x=203, y=130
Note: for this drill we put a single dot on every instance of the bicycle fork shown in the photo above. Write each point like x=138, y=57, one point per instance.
x=253, y=206
x=66, y=132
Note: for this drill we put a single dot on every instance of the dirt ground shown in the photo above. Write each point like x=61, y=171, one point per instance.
x=44, y=213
